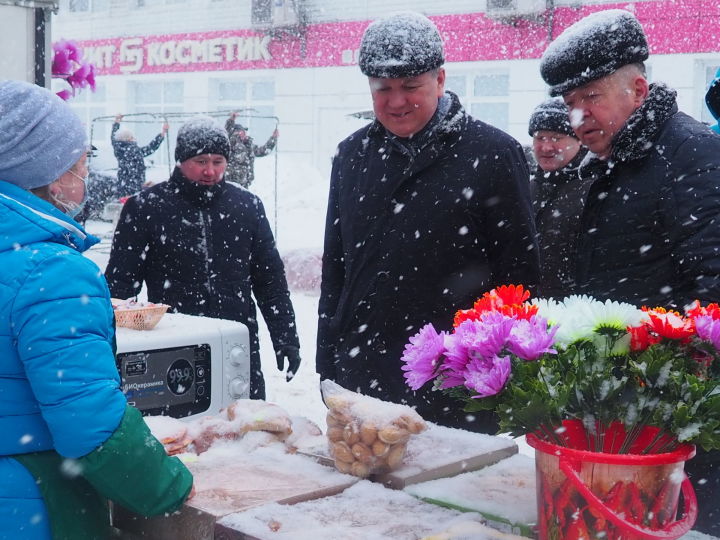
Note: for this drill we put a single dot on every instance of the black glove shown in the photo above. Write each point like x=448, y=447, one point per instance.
x=293, y=358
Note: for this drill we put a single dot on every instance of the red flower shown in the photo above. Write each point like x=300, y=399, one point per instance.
x=670, y=324
x=506, y=299
x=641, y=338
x=697, y=310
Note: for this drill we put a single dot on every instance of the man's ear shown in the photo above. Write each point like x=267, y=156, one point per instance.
x=641, y=89
x=441, y=82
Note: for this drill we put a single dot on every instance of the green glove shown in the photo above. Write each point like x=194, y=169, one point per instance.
x=131, y=468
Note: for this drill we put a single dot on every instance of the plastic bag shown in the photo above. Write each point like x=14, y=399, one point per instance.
x=367, y=435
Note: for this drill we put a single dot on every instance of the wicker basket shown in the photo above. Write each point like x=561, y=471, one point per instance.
x=142, y=318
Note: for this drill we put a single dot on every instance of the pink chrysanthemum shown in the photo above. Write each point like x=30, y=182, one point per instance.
x=422, y=355
x=530, y=339
x=708, y=329
x=481, y=339
x=487, y=378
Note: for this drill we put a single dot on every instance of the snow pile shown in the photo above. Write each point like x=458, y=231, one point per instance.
x=505, y=490
x=364, y=511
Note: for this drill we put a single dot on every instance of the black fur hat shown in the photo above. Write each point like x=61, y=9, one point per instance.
x=551, y=115
x=592, y=48
x=404, y=44
x=201, y=135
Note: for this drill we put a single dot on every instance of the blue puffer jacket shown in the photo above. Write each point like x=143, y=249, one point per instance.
x=712, y=99
x=59, y=388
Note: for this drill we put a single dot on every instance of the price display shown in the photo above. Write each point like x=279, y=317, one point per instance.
x=180, y=376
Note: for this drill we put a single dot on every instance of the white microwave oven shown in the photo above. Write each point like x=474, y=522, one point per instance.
x=185, y=366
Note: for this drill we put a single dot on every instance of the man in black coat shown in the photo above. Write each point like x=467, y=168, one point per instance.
x=205, y=247
x=650, y=229
x=131, y=157
x=558, y=195
x=428, y=209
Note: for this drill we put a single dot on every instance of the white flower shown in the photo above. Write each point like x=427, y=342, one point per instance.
x=581, y=317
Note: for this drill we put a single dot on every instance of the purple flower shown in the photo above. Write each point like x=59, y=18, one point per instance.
x=487, y=378
x=708, y=329
x=64, y=94
x=480, y=340
x=530, y=339
x=421, y=356
x=61, y=64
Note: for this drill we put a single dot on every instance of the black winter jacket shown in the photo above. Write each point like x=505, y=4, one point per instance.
x=204, y=252
x=417, y=229
x=131, y=162
x=558, y=200
x=650, y=231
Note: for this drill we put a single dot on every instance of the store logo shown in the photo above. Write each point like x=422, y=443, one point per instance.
x=136, y=54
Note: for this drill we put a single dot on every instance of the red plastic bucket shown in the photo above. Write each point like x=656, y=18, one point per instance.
x=583, y=494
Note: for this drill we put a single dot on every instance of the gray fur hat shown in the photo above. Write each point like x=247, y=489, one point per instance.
x=403, y=44
x=551, y=115
x=592, y=48
x=201, y=135
x=41, y=137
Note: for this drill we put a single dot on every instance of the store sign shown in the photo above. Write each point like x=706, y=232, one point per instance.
x=152, y=54
x=468, y=37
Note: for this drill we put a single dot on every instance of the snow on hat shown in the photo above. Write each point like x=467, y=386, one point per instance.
x=551, y=115
x=592, y=48
x=124, y=135
x=201, y=135
x=41, y=138
x=403, y=44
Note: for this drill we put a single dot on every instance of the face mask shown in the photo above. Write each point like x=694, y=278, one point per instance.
x=71, y=208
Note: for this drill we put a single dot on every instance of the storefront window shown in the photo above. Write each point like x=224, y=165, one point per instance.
x=253, y=99
x=261, y=11
x=155, y=97
x=485, y=96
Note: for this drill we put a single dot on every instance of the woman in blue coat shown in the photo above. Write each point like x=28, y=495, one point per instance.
x=70, y=441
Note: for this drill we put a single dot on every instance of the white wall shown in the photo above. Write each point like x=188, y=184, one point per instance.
x=17, y=28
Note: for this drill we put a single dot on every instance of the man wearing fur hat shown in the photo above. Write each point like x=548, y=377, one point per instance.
x=205, y=247
x=131, y=157
x=650, y=230
x=558, y=194
x=428, y=209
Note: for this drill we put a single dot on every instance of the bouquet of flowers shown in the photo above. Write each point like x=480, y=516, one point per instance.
x=538, y=363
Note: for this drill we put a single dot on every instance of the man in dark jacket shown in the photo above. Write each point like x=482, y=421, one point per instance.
x=650, y=229
x=428, y=209
x=131, y=157
x=558, y=195
x=243, y=151
x=204, y=247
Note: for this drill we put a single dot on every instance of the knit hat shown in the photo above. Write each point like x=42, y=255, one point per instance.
x=592, y=48
x=551, y=115
x=41, y=138
x=201, y=135
x=403, y=44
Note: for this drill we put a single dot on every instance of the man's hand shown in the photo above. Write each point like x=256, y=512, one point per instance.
x=118, y=117
x=233, y=115
x=276, y=134
x=293, y=359
x=165, y=128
